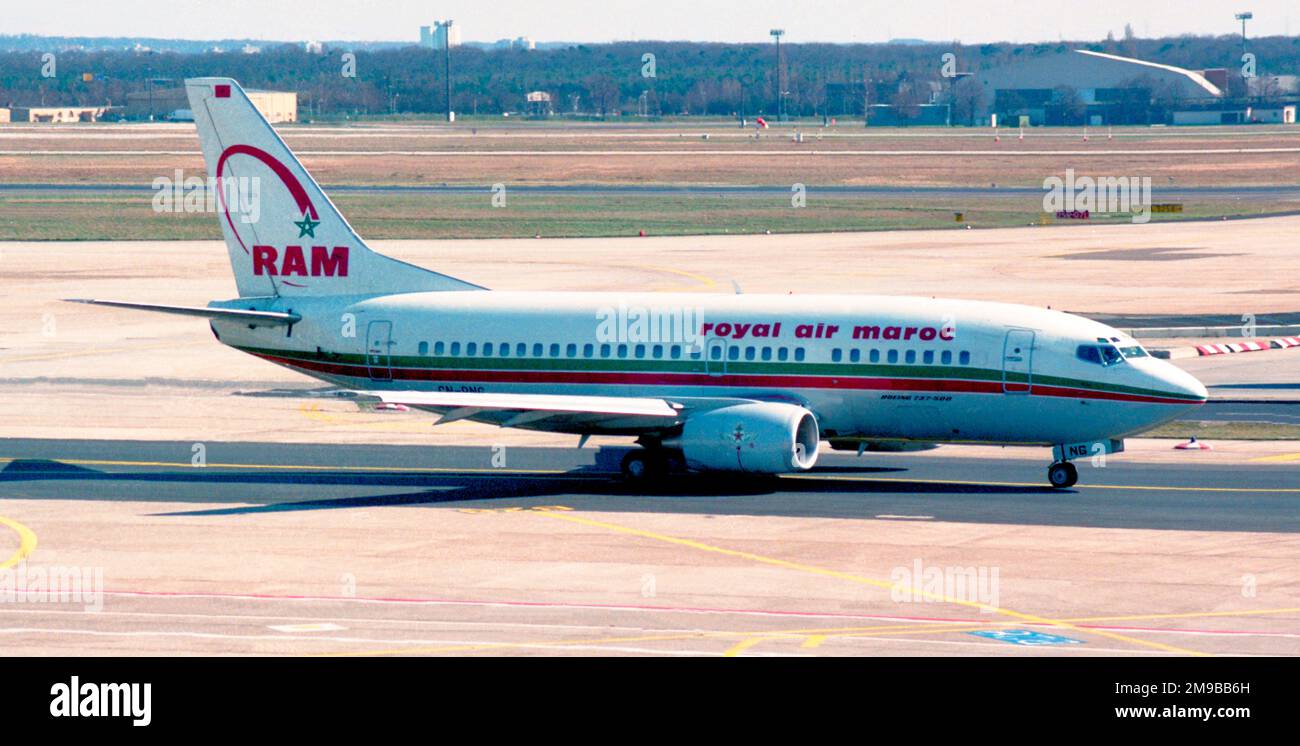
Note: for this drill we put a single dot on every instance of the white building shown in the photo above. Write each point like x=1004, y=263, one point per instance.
x=439, y=35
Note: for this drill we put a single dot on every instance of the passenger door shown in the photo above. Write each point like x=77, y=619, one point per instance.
x=379, y=343
x=1018, y=362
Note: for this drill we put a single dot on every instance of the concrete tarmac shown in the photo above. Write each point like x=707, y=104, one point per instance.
x=382, y=550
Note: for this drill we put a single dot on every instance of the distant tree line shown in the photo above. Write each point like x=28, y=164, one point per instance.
x=602, y=80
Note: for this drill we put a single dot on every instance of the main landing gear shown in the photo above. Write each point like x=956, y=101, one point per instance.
x=1062, y=474
x=644, y=465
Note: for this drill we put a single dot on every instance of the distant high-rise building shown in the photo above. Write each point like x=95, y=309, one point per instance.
x=523, y=42
x=439, y=35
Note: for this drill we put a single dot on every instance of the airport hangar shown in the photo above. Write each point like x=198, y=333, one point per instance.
x=1027, y=92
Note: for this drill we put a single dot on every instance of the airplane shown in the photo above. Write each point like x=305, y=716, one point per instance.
x=742, y=383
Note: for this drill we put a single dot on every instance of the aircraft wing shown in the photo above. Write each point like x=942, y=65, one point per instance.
x=557, y=412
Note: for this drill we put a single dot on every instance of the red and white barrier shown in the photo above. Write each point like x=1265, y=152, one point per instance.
x=1253, y=345
x=1284, y=342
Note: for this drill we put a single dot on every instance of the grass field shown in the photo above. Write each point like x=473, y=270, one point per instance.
x=117, y=215
x=665, y=154
x=1205, y=430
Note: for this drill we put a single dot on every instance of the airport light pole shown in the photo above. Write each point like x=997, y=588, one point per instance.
x=446, y=51
x=776, y=34
x=1243, y=17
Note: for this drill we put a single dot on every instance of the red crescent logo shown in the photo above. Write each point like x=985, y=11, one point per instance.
x=291, y=183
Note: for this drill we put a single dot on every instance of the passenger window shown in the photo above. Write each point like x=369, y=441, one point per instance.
x=782, y=354
x=892, y=357
x=455, y=349
x=675, y=352
x=875, y=356
x=622, y=351
x=555, y=349
x=639, y=352
x=504, y=347
x=571, y=350
x=471, y=349
x=715, y=352
x=835, y=355
x=910, y=357
x=537, y=349
x=521, y=350
x=946, y=357
x=767, y=353
x=751, y=353
x=424, y=348
x=798, y=354
x=604, y=350
x=439, y=348
x=928, y=357
x=964, y=357
x=657, y=352
x=733, y=353
x=588, y=350
x=487, y=349
x=855, y=355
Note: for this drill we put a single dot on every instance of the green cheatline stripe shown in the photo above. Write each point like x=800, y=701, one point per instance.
x=737, y=367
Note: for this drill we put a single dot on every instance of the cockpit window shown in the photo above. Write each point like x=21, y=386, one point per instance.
x=1103, y=354
x=1132, y=352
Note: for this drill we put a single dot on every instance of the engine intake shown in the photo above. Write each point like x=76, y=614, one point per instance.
x=761, y=438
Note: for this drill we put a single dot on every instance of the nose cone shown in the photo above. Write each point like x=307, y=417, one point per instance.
x=1182, y=385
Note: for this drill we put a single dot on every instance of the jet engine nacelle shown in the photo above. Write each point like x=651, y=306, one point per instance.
x=762, y=438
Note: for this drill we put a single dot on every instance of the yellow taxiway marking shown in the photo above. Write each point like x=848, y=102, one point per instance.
x=514, y=472
x=982, y=483
x=841, y=575
x=1277, y=459
x=508, y=645
x=742, y=646
x=26, y=542
x=813, y=641
x=308, y=467
x=707, y=282
x=1185, y=615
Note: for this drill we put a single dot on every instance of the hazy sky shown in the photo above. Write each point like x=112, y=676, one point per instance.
x=611, y=20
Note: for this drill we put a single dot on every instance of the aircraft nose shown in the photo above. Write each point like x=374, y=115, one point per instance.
x=1183, y=385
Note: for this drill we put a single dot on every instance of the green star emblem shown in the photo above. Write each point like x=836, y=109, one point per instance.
x=307, y=226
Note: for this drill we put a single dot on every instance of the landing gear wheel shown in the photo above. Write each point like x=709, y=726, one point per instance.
x=642, y=466
x=1062, y=475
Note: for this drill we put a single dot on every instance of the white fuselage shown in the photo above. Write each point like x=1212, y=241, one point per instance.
x=870, y=367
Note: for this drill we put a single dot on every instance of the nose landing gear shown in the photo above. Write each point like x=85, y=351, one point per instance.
x=1062, y=474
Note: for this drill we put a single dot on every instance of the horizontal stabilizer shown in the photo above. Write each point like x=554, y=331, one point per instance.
x=256, y=318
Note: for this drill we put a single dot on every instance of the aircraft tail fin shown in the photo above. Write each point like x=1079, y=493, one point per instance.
x=285, y=237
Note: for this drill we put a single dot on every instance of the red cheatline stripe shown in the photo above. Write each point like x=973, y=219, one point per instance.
x=945, y=385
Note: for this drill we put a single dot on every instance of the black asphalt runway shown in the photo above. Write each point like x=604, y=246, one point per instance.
x=259, y=478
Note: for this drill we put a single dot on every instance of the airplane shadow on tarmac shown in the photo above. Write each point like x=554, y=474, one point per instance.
x=867, y=493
